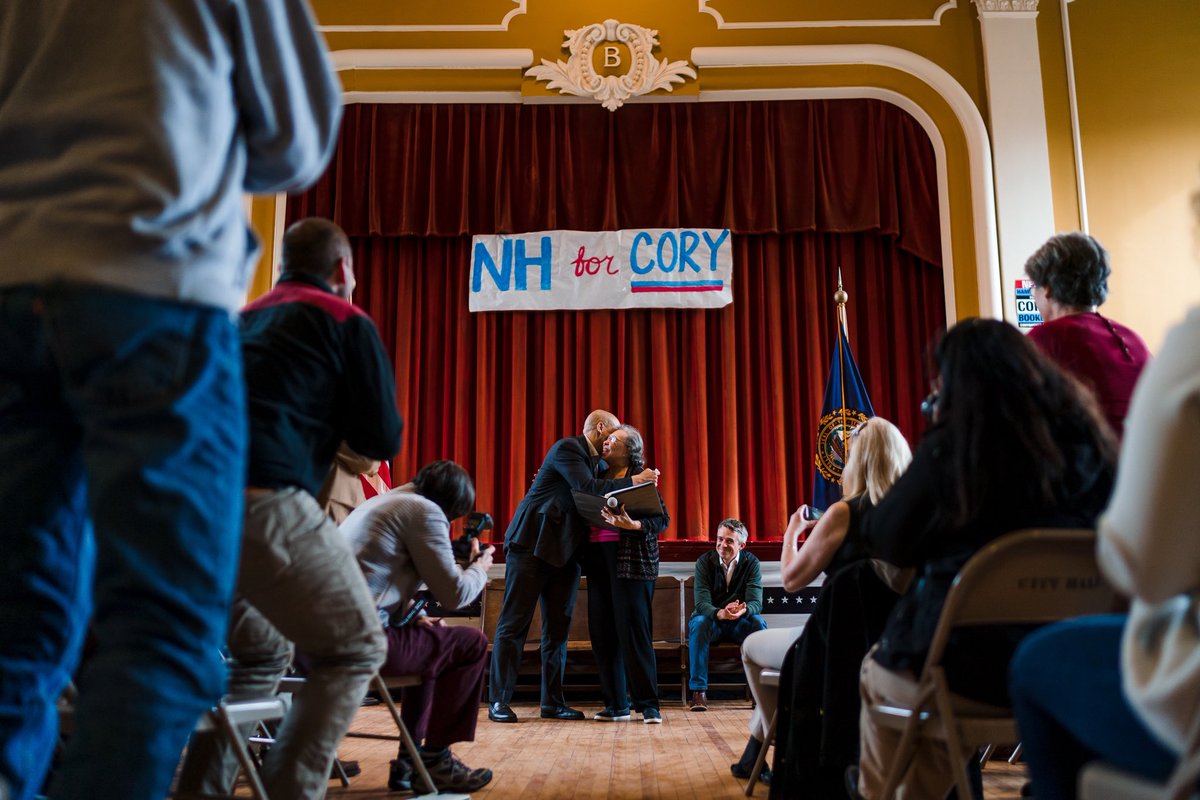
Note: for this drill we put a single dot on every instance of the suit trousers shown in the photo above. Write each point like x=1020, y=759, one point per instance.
x=620, y=626
x=529, y=580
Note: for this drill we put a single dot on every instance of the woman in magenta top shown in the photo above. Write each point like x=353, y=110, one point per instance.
x=622, y=565
x=1070, y=276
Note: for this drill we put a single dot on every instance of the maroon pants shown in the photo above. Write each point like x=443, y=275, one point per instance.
x=444, y=708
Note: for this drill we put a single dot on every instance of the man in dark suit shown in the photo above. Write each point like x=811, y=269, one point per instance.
x=728, y=595
x=540, y=545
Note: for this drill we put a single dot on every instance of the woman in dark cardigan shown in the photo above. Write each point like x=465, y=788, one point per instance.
x=1016, y=443
x=621, y=570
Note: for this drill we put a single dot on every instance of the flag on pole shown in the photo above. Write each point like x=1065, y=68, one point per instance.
x=846, y=407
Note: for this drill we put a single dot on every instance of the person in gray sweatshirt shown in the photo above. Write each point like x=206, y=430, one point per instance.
x=129, y=133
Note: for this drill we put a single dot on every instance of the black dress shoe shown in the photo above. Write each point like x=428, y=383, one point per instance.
x=500, y=712
x=560, y=712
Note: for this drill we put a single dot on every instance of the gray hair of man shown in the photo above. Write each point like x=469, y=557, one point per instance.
x=736, y=527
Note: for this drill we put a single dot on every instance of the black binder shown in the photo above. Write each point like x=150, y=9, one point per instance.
x=640, y=501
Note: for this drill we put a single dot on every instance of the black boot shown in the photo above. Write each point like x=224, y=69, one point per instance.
x=746, y=763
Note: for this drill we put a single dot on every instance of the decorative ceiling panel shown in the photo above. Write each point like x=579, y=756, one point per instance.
x=416, y=15
x=823, y=14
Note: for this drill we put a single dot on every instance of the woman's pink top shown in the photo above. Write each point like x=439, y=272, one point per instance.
x=602, y=535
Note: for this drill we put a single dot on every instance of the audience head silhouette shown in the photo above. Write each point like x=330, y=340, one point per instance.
x=1072, y=271
x=1008, y=407
x=448, y=485
x=315, y=247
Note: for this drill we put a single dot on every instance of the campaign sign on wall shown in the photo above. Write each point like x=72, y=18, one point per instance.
x=650, y=268
x=1028, y=315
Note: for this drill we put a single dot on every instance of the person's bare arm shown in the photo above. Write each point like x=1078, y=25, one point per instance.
x=797, y=568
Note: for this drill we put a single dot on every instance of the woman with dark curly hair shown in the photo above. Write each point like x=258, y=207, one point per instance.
x=621, y=571
x=1070, y=276
x=1016, y=443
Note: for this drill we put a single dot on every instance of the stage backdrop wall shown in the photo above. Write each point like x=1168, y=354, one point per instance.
x=727, y=399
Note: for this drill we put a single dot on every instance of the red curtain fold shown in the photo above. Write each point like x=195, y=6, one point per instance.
x=836, y=166
x=727, y=399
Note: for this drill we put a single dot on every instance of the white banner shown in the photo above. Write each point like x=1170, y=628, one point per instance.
x=651, y=268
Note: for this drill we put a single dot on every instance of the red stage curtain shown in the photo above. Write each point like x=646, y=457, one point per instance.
x=727, y=399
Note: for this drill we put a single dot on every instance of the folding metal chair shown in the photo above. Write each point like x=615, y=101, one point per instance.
x=1100, y=781
x=768, y=677
x=291, y=685
x=382, y=685
x=225, y=720
x=1025, y=577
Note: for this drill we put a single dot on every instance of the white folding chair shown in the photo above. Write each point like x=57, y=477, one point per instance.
x=768, y=677
x=1025, y=577
x=225, y=720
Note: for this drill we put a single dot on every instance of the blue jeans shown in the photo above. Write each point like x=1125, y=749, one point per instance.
x=704, y=631
x=1065, y=685
x=122, y=440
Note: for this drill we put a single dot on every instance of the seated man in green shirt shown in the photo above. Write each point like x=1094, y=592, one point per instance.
x=728, y=595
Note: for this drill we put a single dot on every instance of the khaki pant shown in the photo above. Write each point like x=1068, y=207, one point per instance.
x=929, y=776
x=299, y=582
x=765, y=650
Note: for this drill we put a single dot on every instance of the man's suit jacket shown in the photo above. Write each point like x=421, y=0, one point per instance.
x=546, y=522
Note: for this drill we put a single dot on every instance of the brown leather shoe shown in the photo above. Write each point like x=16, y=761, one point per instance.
x=699, y=702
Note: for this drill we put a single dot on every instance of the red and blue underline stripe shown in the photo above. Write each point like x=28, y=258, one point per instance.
x=676, y=286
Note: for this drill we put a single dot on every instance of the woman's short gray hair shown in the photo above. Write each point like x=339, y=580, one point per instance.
x=636, y=447
x=1075, y=268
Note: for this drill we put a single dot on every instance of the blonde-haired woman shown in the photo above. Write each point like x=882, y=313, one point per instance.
x=878, y=456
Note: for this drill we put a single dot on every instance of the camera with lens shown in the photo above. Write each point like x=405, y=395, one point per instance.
x=477, y=523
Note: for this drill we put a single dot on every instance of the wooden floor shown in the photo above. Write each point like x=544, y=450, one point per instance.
x=686, y=757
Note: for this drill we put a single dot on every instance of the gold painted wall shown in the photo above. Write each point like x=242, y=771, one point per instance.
x=1138, y=75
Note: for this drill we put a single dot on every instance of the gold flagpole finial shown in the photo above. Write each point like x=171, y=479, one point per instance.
x=840, y=297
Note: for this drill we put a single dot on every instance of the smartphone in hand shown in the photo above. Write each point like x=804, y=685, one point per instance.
x=811, y=514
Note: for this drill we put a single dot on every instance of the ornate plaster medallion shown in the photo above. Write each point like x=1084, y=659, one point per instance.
x=577, y=75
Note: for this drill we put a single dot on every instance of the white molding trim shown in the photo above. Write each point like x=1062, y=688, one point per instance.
x=447, y=58
x=500, y=26
x=827, y=23
x=979, y=152
x=277, y=245
x=1007, y=14
x=905, y=104
x=1073, y=103
x=1007, y=6
x=350, y=98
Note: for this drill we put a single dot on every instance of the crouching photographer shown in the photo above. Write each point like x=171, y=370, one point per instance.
x=402, y=541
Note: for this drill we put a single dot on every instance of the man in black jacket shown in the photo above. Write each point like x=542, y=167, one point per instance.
x=728, y=595
x=317, y=375
x=541, y=545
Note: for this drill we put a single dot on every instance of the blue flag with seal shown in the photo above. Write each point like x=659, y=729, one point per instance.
x=846, y=407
